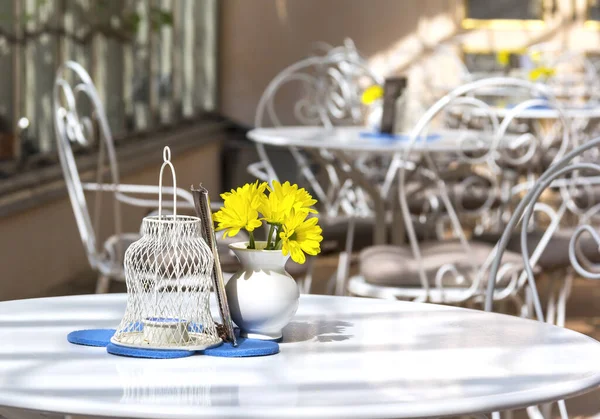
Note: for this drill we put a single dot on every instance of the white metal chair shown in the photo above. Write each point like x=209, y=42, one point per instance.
x=73, y=83
x=331, y=87
x=435, y=276
x=558, y=175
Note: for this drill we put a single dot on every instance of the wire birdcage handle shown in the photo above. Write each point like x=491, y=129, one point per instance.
x=167, y=162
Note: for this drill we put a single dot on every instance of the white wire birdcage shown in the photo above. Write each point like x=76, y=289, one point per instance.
x=168, y=276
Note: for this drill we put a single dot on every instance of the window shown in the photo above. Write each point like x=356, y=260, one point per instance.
x=593, y=14
x=503, y=14
x=153, y=63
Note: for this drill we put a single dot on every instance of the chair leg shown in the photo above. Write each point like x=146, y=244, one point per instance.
x=534, y=412
x=344, y=261
x=341, y=273
x=563, y=296
x=562, y=408
x=307, y=280
x=551, y=309
x=103, y=284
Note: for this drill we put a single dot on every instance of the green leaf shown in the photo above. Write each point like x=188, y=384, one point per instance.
x=160, y=18
x=132, y=22
x=27, y=17
x=166, y=18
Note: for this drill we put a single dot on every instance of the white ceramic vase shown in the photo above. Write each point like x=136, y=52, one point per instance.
x=262, y=296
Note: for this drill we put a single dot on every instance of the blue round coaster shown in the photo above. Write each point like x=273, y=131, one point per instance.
x=91, y=337
x=245, y=348
x=147, y=353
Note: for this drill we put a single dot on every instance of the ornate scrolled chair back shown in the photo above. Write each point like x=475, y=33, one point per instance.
x=72, y=84
x=330, y=87
x=472, y=151
x=557, y=174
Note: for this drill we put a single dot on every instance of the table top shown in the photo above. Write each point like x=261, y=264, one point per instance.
x=356, y=138
x=582, y=112
x=340, y=357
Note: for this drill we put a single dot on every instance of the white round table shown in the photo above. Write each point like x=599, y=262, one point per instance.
x=344, y=143
x=361, y=139
x=341, y=357
x=583, y=112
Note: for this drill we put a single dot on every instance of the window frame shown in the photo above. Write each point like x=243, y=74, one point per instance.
x=590, y=24
x=502, y=24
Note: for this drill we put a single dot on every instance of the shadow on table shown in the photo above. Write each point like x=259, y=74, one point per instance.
x=322, y=331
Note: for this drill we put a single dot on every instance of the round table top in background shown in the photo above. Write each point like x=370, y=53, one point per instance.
x=356, y=138
x=583, y=112
x=341, y=357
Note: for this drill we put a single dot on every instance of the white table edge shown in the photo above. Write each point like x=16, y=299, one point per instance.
x=463, y=407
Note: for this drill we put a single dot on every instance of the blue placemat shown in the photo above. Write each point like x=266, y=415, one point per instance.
x=111, y=348
x=245, y=348
x=567, y=108
x=101, y=338
x=91, y=337
x=539, y=107
x=397, y=137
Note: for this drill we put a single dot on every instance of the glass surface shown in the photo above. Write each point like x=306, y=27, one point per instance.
x=503, y=9
x=594, y=10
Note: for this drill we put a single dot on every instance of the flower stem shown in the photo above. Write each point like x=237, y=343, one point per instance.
x=269, y=236
x=277, y=244
x=251, y=245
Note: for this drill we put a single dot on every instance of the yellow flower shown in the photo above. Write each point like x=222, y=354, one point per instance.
x=371, y=94
x=240, y=209
x=282, y=199
x=541, y=72
x=300, y=235
x=274, y=210
x=503, y=57
x=536, y=56
x=252, y=191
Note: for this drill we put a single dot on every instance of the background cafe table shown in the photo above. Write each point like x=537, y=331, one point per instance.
x=345, y=143
x=583, y=118
x=360, y=139
x=340, y=357
x=545, y=112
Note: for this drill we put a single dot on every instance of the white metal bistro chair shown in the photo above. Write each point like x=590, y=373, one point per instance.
x=584, y=244
x=331, y=87
x=73, y=84
x=583, y=249
x=451, y=271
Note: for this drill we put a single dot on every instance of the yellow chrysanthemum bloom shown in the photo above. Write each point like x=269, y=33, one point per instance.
x=275, y=209
x=282, y=199
x=371, y=94
x=252, y=191
x=240, y=209
x=300, y=235
x=541, y=72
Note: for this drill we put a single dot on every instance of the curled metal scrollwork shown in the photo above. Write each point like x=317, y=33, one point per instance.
x=71, y=83
x=523, y=213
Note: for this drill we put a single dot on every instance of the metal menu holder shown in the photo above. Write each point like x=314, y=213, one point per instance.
x=202, y=204
x=392, y=90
